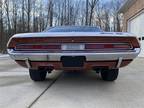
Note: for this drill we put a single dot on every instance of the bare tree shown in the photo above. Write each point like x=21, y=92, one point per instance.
x=23, y=15
x=7, y=15
x=1, y=26
x=117, y=18
x=98, y=13
x=92, y=4
x=15, y=16
x=28, y=14
x=50, y=12
x=35, y=15
x=86, y=17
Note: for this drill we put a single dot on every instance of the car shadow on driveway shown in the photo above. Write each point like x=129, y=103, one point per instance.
x=79, y=89
x=85, y=79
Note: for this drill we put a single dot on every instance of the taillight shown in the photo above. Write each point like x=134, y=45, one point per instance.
x=38, y=47
x=98, y=46
x=122, y=46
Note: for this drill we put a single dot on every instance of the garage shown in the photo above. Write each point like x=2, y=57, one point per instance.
x=133, y=14
x=136, y=26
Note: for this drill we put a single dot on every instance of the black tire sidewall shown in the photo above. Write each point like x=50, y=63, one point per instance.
x=37, y=75
x=109, y=74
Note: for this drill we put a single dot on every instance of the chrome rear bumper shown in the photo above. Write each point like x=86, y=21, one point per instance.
x=89, y=56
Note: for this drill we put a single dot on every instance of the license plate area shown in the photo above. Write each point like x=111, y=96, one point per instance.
x=73, y=61
x=75, y=46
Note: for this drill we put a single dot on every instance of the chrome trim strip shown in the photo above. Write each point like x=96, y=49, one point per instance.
x=89, y=56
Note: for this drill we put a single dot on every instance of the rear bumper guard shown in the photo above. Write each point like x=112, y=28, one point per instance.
x=27, y=62
x=119, y=62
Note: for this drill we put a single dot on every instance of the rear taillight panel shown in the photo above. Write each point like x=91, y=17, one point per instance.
x=110, y=46
x=26, y=47
x=56, y=43
x=73, y=46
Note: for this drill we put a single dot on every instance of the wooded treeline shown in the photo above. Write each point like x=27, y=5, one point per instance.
x=20, y=16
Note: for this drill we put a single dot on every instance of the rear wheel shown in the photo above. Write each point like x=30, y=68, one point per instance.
x=37, y=75
x=109, y=74
x=49, y=71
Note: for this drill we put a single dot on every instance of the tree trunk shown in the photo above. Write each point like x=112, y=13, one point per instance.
x=23, y=18
x=1, y=27
x=86, y=17
x=28, y=15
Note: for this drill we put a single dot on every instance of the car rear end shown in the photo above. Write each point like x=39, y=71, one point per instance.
x=77, y=48
x=73, y=52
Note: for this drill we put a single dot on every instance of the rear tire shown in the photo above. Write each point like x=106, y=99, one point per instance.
x=49, y=71
x=109, y=74
x=37, y=75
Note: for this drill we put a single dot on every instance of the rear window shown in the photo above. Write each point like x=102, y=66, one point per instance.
x=73, y=29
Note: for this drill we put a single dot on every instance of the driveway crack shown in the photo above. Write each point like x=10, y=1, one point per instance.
x=30, y=106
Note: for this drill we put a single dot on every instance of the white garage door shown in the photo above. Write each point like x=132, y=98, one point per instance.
x=136, y=26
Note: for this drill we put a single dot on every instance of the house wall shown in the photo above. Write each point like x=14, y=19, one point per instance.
x=136, y=8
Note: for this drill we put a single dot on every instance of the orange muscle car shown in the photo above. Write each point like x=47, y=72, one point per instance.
x=73, y=48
